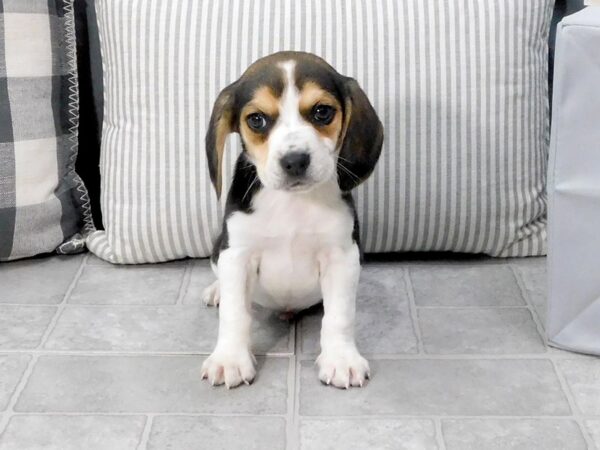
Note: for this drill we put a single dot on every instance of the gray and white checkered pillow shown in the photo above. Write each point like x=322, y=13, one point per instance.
x=43, y=202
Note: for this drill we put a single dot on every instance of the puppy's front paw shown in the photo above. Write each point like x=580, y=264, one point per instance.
x=343, y=367
x=212, y=294
x=231, y=367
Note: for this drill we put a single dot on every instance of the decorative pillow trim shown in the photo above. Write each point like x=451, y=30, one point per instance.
x=75, y=243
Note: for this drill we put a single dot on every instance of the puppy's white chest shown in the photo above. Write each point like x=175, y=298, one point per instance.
x=290, y=235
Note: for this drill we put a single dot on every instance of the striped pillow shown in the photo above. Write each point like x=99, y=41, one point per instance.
x=43, y=203
x=460, y=87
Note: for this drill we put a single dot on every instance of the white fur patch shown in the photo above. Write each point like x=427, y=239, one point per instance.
x=290, y=115
x=287, y=233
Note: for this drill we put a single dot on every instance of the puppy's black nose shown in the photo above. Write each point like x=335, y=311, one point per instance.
x=295, y=163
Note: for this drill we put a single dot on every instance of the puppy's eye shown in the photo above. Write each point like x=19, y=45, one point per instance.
x=323, y=114
x=257, y=122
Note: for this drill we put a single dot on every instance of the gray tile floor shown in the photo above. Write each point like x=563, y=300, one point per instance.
x=100, y=357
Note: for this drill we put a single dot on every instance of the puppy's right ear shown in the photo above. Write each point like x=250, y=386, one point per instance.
x=222, y=123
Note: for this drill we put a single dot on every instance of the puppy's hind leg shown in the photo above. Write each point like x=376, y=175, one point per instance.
x=211, y=296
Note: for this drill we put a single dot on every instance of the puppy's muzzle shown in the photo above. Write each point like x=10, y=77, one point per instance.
x=295, y=164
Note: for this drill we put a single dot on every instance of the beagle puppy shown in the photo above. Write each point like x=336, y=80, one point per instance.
x=290, y=232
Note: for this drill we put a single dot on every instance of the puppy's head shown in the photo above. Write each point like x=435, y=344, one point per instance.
x=301, y=123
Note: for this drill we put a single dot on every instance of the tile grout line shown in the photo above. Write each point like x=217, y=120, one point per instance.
x=146, y=414
x=145, y=436
x=17, y=393
x=525, y=295
x=90, y=352
x=439, y=435
x=473, y=307
x=185, y=283
x=292, y=424
x=456, y=356
x=295, y=442
x=172, y=305
x=575, y=411
x=433, y=417
x=412, y=306
x=312, y=416
x=61, y=305
x=542, y=356
x=296, y=429
x=293, y=337
x=115, y=305
x=303, y=356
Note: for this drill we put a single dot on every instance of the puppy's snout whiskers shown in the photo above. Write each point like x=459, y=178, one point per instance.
x=254, y=180
x=348, y=172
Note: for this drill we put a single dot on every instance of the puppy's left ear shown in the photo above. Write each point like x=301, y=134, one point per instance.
x=222, y=123
x=361, y=137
